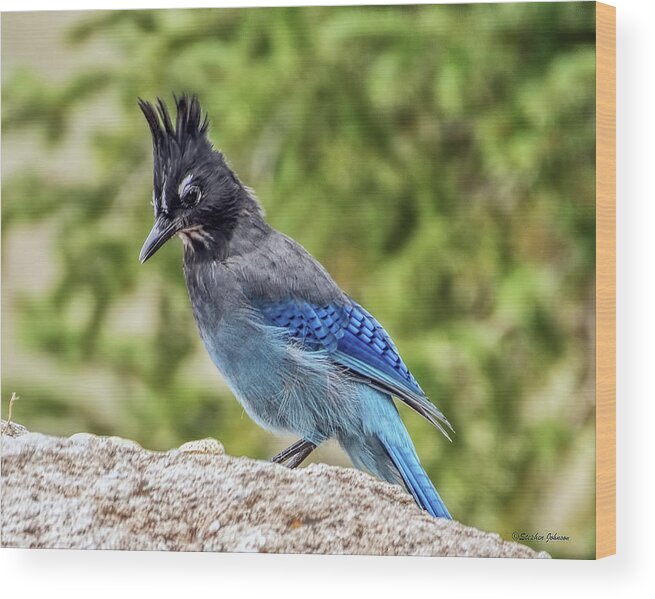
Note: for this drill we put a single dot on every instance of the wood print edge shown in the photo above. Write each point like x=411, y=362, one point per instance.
x=605, y=280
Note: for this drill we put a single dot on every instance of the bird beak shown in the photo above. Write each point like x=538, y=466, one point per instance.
x=161, y=232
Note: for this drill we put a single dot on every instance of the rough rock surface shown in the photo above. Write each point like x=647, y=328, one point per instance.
x=109, y=493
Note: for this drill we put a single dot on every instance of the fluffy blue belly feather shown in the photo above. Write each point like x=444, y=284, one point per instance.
x=282, y=387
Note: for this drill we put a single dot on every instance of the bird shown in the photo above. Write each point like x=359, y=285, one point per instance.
x=301, y=356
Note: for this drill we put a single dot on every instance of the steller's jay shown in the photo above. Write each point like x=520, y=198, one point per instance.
x=300, y=355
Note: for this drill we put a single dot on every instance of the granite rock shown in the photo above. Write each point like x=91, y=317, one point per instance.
x=90, y=492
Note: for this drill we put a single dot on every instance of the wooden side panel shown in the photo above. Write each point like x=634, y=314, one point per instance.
x=605, y=280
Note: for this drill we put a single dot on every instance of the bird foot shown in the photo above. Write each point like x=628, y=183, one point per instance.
x=295, y=454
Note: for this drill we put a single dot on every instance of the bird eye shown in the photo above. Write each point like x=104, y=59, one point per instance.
x=192, y=195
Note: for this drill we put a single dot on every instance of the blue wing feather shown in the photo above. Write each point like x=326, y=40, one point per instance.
x=356, y=341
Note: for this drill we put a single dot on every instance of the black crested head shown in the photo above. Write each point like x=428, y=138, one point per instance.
x=195, y=193
x=175, y=147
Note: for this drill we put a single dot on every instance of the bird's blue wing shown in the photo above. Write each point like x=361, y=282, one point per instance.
x=355, y=340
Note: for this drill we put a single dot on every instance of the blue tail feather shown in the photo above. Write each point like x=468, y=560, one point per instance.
x=417, y=481
x=384, y=448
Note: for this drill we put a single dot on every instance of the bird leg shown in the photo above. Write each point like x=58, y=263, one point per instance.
x=299, y=458
x=295, y=454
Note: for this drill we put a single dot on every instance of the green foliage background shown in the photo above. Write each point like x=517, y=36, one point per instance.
x=439, y=160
